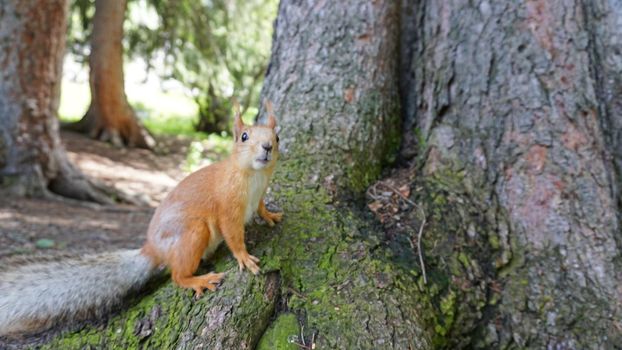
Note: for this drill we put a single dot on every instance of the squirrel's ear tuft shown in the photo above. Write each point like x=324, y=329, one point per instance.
x=271, y=118
x=238, y=124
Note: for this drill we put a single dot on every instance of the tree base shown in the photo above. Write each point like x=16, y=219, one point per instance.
x=127, y=132
x=66, y=184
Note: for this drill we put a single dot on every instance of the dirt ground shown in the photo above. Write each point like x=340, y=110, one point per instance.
x=36, y=225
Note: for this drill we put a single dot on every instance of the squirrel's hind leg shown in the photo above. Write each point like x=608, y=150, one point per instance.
x=199, y=283
x=186, y=256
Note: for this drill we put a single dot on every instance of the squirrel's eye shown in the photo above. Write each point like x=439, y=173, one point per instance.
x=244, y=137
x=277, y=138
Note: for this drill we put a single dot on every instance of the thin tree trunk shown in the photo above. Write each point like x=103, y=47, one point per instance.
x=110, y=117
x=516, y=175
x=32, y=159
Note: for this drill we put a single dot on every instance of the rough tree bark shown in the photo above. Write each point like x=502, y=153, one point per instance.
x=326, y=278
x=326, y=76
x=517, y=107
x=32, y=159
x=110, y=116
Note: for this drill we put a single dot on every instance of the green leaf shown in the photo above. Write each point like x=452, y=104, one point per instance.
x=45, y=243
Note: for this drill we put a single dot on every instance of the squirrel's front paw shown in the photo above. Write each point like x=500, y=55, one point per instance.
x=272, y=218
x=248, y=261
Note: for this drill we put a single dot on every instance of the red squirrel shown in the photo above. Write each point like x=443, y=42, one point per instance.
x=208, y=206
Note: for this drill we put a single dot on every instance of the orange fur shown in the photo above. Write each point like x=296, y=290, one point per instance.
x=213, y=204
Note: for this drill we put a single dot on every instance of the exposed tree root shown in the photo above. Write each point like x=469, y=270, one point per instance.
x=129, y=133
x=67, y=185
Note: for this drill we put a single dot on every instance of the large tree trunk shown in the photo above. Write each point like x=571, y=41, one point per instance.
x=333, y=76
x=110, y=117
x=510, y=100
x=326, y=279
x=32, y=45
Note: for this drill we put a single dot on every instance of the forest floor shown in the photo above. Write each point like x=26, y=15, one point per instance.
x=33, y=225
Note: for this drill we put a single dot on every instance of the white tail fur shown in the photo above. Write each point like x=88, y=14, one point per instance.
x=36, y=296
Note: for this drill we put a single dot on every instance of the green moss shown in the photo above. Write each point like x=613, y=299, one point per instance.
x=422, y=143
x=448, y=306
x=360, y=177
x=281, y=333
x=462, y=257
x=326, y=262
x=323, y=283
x=493, y=240
x=453, y=258
x=515, y=262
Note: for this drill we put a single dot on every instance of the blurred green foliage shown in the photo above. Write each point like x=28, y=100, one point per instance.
x=215, y=48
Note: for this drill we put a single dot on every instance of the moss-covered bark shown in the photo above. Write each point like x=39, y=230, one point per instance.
x=515, y=172
x=170, y=318
x=333, y=81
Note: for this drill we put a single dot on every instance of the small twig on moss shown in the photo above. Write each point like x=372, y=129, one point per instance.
x=371, y=189
x=302, y=345
x=298, y=294
x=423, y=222
x=396, y=191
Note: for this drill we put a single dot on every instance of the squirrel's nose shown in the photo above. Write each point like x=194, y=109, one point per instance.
x=267, y=146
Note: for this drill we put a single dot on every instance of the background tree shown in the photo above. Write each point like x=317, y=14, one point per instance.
x=32, y=159
x=216, y=49
x=109, y=117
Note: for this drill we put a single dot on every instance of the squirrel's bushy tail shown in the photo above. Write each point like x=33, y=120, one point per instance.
x=37, y=295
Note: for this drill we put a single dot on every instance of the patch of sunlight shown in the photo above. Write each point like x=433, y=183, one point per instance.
x=74, y=99
x=249, y=115
x=205, y=152
x=165, y=107
x=158, y=100
x=170, y=125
